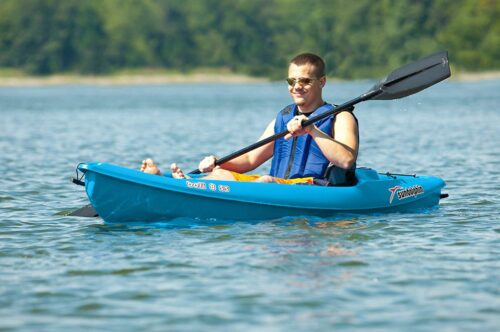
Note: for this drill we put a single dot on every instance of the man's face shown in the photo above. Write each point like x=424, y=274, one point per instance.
x=305, y=95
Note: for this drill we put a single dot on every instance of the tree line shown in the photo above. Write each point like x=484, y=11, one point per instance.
x=361, y=38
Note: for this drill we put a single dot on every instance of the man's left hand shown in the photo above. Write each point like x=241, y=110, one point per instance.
x=295, y=128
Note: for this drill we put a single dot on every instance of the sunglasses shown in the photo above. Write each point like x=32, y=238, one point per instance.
x=301, y=80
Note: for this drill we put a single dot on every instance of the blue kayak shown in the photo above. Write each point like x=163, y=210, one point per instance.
x=121, y=194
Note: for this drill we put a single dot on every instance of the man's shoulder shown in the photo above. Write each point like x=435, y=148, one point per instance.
x=346, y=119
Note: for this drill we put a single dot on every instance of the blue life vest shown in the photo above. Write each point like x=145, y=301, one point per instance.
x=300, y=156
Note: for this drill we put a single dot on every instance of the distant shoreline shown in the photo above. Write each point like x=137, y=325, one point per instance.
x=19, y=80
x=125, y=79
x=474, y=77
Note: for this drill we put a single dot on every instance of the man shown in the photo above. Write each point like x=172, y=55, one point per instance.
x=304, y=154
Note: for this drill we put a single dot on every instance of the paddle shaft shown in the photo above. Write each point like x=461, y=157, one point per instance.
x=305, y=123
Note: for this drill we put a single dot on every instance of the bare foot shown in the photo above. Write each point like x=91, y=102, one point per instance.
x=177, y=173
x=149, y=166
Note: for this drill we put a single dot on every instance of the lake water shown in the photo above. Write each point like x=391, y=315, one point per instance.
x=435, y=271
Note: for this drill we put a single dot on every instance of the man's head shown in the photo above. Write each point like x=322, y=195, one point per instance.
x=311, y=59
x=306, y=78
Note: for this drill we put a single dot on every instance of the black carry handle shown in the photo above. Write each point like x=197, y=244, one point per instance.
x=402, y=82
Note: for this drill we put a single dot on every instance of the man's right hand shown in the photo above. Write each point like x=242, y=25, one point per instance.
x=207, y=164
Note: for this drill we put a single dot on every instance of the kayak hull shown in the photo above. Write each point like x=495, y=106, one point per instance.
x=124, y=195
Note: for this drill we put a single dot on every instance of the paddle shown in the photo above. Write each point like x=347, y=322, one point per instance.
x=402, y=82
x=86, y=211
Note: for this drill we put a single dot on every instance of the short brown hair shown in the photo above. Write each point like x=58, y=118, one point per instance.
x=313, y=59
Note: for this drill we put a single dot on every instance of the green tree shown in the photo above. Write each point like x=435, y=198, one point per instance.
x=473, y=35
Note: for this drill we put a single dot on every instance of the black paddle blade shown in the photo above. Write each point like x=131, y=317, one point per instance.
x=86, y=211
x=414, y=77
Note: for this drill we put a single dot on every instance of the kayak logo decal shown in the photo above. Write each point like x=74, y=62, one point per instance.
x=403, y=193
x=203, y=186
x=393, y=192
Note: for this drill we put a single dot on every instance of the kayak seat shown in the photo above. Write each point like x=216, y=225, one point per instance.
x=338, y=177
x=349, y=178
